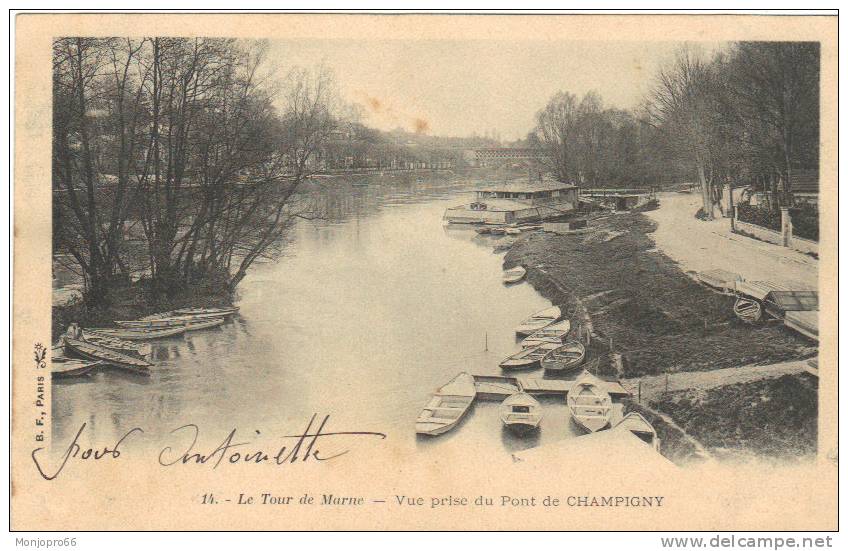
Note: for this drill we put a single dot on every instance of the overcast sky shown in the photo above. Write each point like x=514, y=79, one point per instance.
x=456, y=88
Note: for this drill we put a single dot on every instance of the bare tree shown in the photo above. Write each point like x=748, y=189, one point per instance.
x=681, y=105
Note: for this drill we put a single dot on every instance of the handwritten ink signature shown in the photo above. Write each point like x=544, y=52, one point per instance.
x=304, y=448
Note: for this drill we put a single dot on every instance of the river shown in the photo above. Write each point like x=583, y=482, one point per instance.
x=368, y=312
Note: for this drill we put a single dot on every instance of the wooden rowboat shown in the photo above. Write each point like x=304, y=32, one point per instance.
x=137, y=333
x=539, y=320
x=154, y=323
x=204, y=324
x=639, y=426
x=88, y=351
x=553, y=333
x=119, y=345
x=207, y=312
x=528, y=358
x=521, y=413
x=193, y=313
x=748, y=310
x=513, y=231
x=483, y=230
x=564, y=358
x=514, y=275
x=589, y=403
x=63, y=368
x=447, y=406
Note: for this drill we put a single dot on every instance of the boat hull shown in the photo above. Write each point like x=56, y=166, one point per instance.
x=748, y=310
x=78, y=369
x=589, y=404
x=447, y=406
x=138, y=334
x=204, y=324
x=564, y=359
x=87, y=351
x=520, y=413
x=521, y=428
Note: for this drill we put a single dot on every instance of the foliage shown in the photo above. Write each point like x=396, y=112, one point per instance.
x=747, y=115
x=805, y=221
x=178, y=158
x=760, y=216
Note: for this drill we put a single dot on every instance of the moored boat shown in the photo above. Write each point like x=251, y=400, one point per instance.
x=447, y=406
x=74, y=331
x=498, y=230
x=514, y=275
x=195, y=313
x=483, y=230
x=553, y=333
x=62, y=367
x=748, y=310
x=204, y=324
x=528, y=358
x=513, y=231
x=207, y=312
x=539, y=320
x=565, y=358
x=589, y=403
x=154, y=323
x=639, y=426
x=521, y=413
x=88, y=351
x=136, y=333
x=119, y=345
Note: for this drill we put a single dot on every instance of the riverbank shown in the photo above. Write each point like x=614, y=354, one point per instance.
x=660, y=320
x=133, y=302
x=655, y=319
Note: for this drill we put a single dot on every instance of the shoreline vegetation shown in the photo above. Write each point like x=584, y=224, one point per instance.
x=183, y=159
x=659, y=320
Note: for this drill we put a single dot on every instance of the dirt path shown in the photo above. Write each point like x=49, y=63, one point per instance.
x=698, y=245
x=654, y=386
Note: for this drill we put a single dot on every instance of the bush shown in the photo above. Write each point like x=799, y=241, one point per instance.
x=759, y=216
x=805, y=222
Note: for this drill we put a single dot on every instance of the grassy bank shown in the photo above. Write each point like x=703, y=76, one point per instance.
x=659, y=319
x=135, y=301
x=773, y=417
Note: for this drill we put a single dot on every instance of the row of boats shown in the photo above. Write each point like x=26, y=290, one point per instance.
x=589, y=404
x=545, y=344
x=82, y=350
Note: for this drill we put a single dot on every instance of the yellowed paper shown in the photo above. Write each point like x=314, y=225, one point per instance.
x=342, y=339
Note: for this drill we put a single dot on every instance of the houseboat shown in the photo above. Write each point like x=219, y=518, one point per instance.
x=516, y=203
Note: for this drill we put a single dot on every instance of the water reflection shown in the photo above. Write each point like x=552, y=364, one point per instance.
x=373, y=307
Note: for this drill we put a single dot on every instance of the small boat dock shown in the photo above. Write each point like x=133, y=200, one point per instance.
x=494, y=387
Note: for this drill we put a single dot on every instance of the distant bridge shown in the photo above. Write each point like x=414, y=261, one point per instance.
x=493, y=156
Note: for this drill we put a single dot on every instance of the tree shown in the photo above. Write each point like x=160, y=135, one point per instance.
x=184, y=141
x=682, y=106
x=555, y=125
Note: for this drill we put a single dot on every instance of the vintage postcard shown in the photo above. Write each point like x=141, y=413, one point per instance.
x=424, y=272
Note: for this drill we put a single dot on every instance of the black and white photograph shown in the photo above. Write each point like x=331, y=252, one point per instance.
x=559, y=254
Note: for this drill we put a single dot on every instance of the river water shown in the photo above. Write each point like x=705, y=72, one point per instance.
x=368, y=312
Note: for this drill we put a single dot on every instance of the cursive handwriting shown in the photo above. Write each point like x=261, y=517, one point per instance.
x=304, y=449
x=299, y=448
x=75, y=451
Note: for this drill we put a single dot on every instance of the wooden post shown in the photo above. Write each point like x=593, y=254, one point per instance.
x=610, y=344
x=639, y=399
x=666, y=383
x=486, y=349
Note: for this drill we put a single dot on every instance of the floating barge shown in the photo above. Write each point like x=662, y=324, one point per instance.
x=516, y=202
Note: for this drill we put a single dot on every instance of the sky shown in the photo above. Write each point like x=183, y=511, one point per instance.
x=459, y=88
